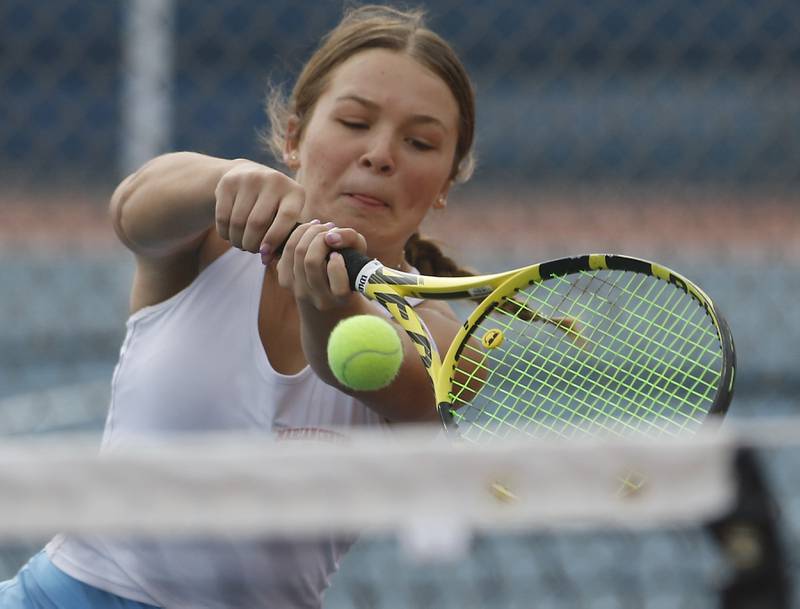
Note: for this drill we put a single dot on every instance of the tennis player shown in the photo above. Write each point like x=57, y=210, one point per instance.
x=226, y=336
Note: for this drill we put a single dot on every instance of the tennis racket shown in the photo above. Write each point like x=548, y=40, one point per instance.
x=595, y=344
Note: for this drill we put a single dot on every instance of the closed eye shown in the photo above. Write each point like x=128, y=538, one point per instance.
x=354, y=124
x=420, y=145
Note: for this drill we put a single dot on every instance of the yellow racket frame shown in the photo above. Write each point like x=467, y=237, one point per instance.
x=390, y=288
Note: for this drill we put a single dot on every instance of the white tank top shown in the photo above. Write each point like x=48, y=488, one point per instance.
x=224, y=383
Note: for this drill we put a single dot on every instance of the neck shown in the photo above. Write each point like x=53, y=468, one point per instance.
x=394, y=258
x=401, y=265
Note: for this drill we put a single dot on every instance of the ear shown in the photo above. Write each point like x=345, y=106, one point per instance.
x=441, y=200
x=292, y=143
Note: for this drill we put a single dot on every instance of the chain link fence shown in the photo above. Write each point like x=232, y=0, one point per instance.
x=661, y=129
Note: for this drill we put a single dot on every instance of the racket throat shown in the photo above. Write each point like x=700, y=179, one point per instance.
x=445, y=410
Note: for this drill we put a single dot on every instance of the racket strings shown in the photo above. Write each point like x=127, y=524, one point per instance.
x=551, y=375
x=649, y=316
x=643, y=353
x=632, y=331
x=575, y=391
x=644, y=336
x=554, y=373
x=638, y=362
x=688, y=323
x=586, y=382
x=674, y=350
x=648, y=337
x=577, y=387
x=509, y=401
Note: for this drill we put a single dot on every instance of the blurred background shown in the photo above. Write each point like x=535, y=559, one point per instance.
x=665, y=130
x=668, y=130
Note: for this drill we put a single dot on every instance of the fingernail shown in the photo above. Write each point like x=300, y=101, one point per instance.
x=329, y=225
x=265, y=253
x=333, y=238
x=314, y=221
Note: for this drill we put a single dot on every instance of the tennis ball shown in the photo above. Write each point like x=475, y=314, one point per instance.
x=364, y=352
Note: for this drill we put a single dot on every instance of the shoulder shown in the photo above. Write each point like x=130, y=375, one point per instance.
x=436, y=309
x=440, y=320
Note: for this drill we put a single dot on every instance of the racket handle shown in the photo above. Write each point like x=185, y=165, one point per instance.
x=354, y=260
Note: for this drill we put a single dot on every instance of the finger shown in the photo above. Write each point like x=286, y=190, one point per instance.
x=341, y=238
x=286, y=218
x=242, y=206
x=259, y=221
x=337, y=276
x=303, y=249
x=315, y=264
x=225, y=195
x=286, y=263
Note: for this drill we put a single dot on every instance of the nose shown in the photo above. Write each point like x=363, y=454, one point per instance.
x=378, y=157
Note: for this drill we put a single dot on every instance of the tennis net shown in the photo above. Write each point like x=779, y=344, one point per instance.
x=703, y=522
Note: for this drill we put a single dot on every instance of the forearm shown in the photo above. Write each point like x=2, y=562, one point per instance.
x=321, y=288
x=168, y=204
x=316, y=326
x=409, y=398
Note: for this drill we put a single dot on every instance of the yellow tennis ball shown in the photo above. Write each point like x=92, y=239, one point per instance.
x=364, y=352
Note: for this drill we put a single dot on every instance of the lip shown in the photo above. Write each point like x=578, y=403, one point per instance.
x=366, y=200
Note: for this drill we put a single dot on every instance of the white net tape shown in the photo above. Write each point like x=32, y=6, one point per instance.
x=602, y=523
x=371, y=482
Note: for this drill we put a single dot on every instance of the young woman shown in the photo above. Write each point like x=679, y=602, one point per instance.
x=377, y=129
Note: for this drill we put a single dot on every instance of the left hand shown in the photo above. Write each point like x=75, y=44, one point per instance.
x=311, y=267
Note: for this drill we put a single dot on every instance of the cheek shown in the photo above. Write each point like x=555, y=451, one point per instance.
x=323, y=163
x=427, y=182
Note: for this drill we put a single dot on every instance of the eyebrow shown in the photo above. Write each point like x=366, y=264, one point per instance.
x=417, y=118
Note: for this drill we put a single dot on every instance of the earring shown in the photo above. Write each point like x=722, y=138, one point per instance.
x=293, y=157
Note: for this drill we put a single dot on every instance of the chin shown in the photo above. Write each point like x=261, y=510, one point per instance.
x=364, y=221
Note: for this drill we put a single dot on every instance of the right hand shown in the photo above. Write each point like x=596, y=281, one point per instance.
x=257, y=207
x=312, y=268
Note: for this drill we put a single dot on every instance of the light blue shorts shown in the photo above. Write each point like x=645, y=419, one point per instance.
x=40, y=585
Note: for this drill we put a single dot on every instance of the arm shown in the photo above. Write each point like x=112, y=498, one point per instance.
x=323, y=295
x=410, y=397
x=166, y=212
x=166, y=208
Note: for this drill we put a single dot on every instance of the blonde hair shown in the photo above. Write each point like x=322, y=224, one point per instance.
x=403, y=31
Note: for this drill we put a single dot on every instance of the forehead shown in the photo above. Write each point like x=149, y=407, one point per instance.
x=394, y=80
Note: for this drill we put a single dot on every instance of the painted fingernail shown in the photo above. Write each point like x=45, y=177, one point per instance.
x=329, y=225
x=265, y=259
x=265, y=249
x=314, y=221
x=333, y=238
